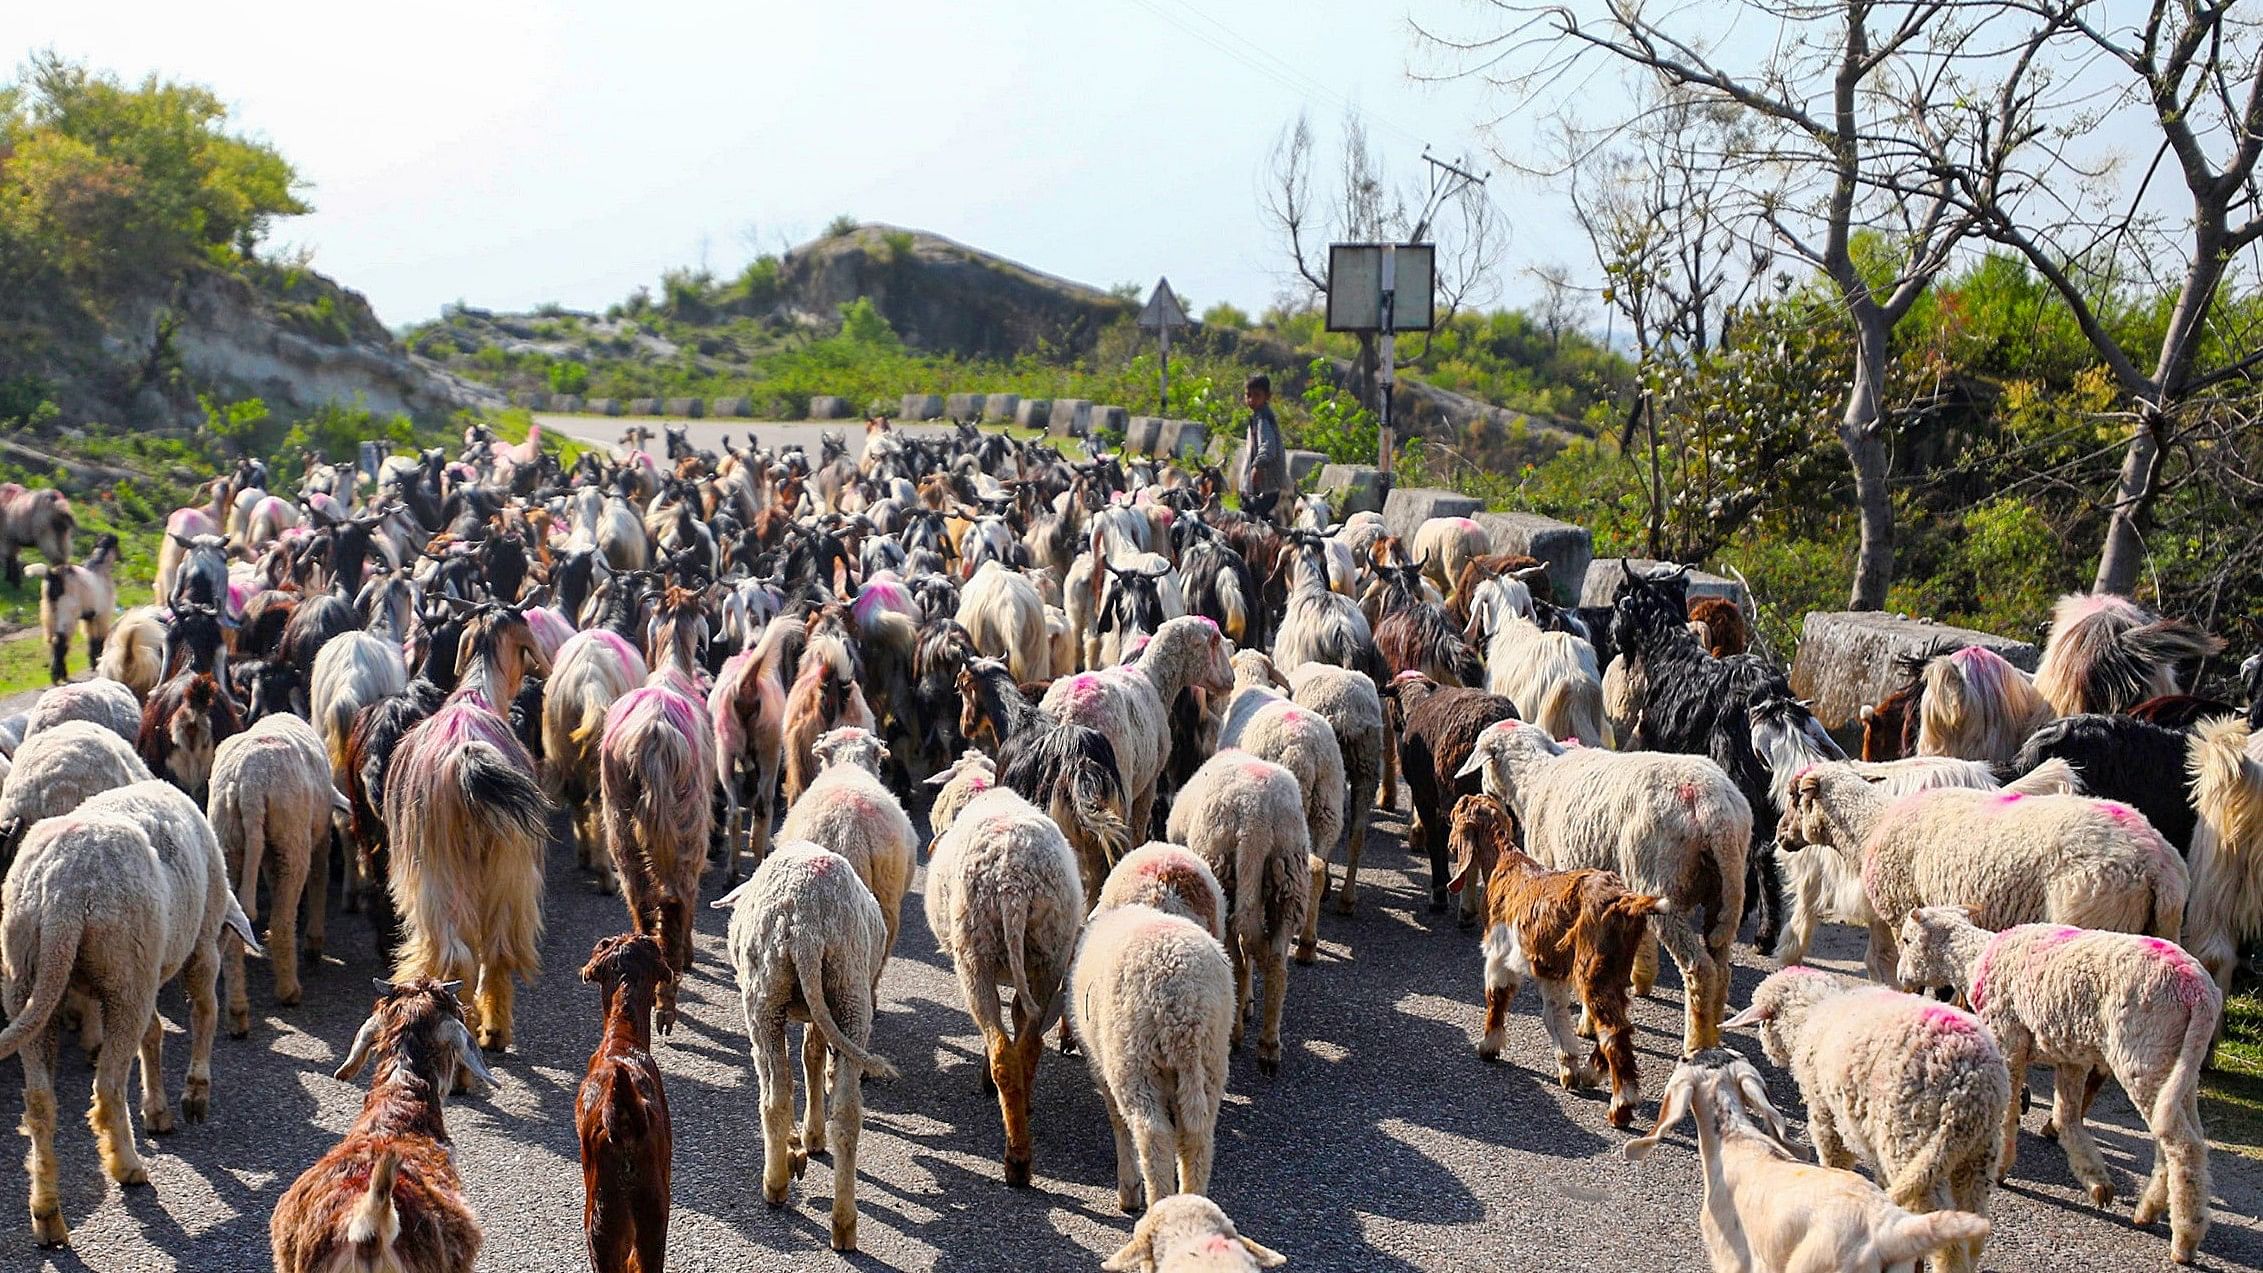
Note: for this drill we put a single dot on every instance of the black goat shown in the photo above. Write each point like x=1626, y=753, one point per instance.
x=2122, y=758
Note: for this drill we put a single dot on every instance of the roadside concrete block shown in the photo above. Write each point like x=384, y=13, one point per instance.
x=1107, y=419
x=566, y=403
x=999, y=408
x=1143, y=434
x=826, y=406
x=721, y=408
x=688, y=408
x=642, y=406
x=1070, y=418
x=1567, y=550
x=1352, y=488
x=963, y=406
x=922, y=406
x=602, y=406
x=1604, y=574
x=1034, y=413
x=1846, y=658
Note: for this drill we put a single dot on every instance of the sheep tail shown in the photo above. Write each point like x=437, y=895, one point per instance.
x=1014, y=918
x=2180, y=1091
x=1906, y=1238
x=500, y=794
x=809, y=966
x=60, y=929
x=375, y=1224
x=250, y=827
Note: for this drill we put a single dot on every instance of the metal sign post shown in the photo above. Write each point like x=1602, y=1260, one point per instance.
x=1390, y=349
x=1162, y=313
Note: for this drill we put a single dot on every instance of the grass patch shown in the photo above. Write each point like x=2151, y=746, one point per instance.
x=2231, y=1093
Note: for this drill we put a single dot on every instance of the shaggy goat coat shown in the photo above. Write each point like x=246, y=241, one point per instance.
x=2226, y=902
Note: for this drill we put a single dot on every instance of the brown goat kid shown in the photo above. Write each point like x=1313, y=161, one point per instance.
x=1721, y=625
x=622, y=1114
x=387, y=1197
x=1574, y=932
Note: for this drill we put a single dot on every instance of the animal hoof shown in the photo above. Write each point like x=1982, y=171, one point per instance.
x=494, y=1040
x=1622, y=1116
x=1567, y=1079
x=798, y=1161
x=844, y=1236
x=136, y=1174
x=1269, y=1060
x=1306, y=954
x=2102, y=1195
x=775, y=1197
x=1343, y=904
x=1017, y=1172
x=157, y=1122
x=989, y=1085
x=195, y=1107
x=288, y=998
x=1437, y=902
x=1489, y=1051
x=49, y=1229
x=2147, y=1212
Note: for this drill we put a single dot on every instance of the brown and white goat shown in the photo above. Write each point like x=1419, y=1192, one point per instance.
x=622, y=1114
x=824, y=697
x=657, y=773
x=1576, y=933
x=182, y=725
x=387, y=1197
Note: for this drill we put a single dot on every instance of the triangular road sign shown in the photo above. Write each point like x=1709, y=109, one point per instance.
x=1163, y=309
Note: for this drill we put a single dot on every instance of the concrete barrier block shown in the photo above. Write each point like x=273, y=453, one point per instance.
x=922, y=406
x=730, y=408
x=1846, y=658
x=1567, y=550
x=1070, y=418
x=602, y=406
x=999, y=408
x=1187, y=439
x=1143, y=434
x=1407, y=508
x=1604, y=574
x=1034, y=413
x=1352, y=488
x=641, y=406
x=826, y=406
x=566, y=403
x=1108, y=420
x=963, y=406
x=688, y=408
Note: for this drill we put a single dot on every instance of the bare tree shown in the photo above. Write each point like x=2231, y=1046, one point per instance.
x=1848, y=127
x=2192, y=73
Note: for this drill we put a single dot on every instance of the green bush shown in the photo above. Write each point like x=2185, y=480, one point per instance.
x=1335, y=423
x=840, y=225
x=863, y=325
x=567, y=376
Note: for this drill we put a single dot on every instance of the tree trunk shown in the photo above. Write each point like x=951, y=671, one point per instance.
x=1862, y=431
x=2124, y=552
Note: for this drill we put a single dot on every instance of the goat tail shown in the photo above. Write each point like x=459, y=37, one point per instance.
x=504, y=797
x=592, y=723
x=1092, y=796
x=375, y=1224
x=1907, y=1238
x=809, y=966
x=60, y=930
x=1572, y=707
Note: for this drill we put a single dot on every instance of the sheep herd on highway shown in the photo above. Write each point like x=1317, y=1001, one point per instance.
x=1136, y=739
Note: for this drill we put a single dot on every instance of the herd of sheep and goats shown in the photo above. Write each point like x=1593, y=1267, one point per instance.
x=1151, y=730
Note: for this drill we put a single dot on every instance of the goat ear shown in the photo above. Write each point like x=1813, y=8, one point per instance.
x=1671, y=1107
x=1761, y=1109
x=1478, y=756
x=468, y=1053
x=240, y=925
x=1751, y=1016
x=1266, y=1257
x=451, y=987
x=731, y=899
x=358, y=1054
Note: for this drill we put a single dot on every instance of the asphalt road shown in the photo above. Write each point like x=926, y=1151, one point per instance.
x=1384, y=1143
x=708, y=434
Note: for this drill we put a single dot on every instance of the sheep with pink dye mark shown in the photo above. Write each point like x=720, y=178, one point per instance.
x=2080, y=1000
x=1262, y=721
x=1913, y=1089
x=592, y=670
x=1245, y=817
x=2012, y=857
x=1443, y=545
x=848, y=810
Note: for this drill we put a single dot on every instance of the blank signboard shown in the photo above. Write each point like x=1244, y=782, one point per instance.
x=1355, y=287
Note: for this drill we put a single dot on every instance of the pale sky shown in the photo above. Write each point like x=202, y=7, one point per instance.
x=510, y=152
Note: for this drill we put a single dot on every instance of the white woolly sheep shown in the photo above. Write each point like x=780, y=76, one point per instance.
x=1671, y=825
x=848, y=810
x=808, y=942
x=1766, y=1207
x=1347, y=699
x=270, y=805
x=2079, y=1001
x=1171, y=878
x=2014, y=858
x=110, y=704
x=135, y=652
x=1443, y=545
x=1262, y=722
x=1550, y=676
x=1913, y=1089
x=1827, y=888
x=1187, y=1233
x=1152, y=1004
x=1130, y=704
x=94, y=901
x=55, y=772
x=1004, y=901
x=2225, y=906
x=1245, y=817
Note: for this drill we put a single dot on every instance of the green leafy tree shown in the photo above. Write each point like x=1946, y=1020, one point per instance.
x=1226, y=315
x=863, y=325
